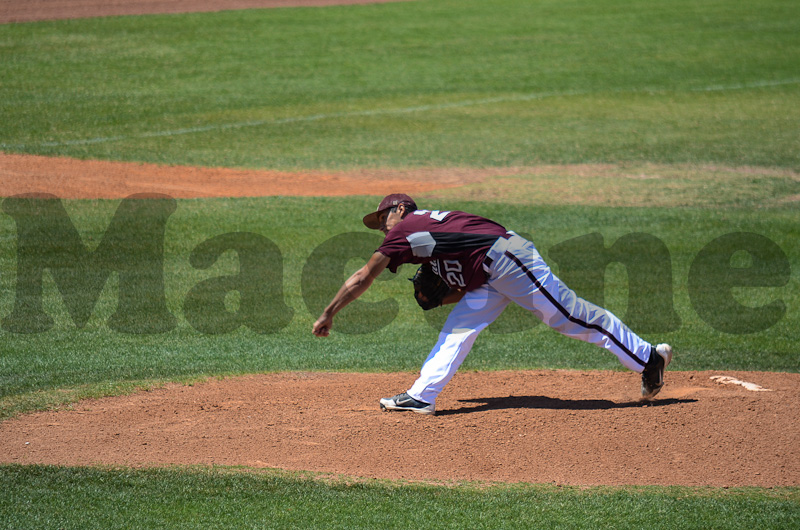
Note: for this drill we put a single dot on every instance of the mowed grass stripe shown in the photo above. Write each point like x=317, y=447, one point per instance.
x=380, y=112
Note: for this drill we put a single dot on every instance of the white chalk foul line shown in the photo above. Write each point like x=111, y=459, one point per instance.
x=381, y=112
x=295, y=119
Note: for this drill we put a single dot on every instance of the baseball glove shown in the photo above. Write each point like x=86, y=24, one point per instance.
x=429, y=288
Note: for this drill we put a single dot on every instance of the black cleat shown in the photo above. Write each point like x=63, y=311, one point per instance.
x=405, y=402
x=653, y=374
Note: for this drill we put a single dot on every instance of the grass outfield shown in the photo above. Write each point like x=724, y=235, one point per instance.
x=438, y=83
x=680, y=90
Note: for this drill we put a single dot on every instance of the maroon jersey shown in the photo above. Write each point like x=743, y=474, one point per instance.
x=455, y=243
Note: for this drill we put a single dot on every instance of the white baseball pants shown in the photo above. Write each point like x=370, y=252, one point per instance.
x=517, y=273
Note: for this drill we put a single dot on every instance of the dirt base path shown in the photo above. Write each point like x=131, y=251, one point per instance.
x=33, y=10
x=68, y=178
x=562, y=427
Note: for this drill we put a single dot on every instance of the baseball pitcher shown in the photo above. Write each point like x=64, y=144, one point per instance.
x=481, y=267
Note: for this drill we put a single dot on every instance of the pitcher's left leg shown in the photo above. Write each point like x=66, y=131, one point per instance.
x=523, y=276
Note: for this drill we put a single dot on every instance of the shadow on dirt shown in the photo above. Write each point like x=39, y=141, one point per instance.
x=544, y=402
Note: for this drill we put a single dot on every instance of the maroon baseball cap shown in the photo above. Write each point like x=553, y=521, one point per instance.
x=390, y=201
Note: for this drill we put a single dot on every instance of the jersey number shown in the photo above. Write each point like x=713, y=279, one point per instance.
x=436, y=215
x=452, y=272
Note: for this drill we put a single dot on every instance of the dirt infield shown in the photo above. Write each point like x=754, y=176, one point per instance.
x=562, y=427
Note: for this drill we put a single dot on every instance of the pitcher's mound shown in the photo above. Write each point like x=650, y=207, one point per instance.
x=565, y=427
